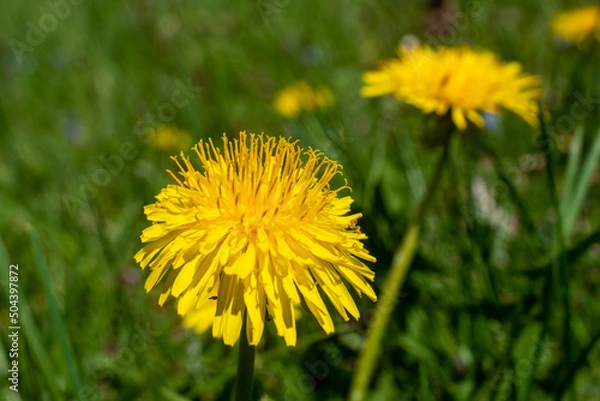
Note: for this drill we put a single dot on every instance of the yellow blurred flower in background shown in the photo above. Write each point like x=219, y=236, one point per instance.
x=293, y=100
x=460, y=81
x=261, y=228
x=578, y=25
x=167, y=137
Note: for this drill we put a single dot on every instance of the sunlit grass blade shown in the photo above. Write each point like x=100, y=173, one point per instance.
x=375, y=170
x=579, y=186
x=38, y=351
x=55, y=313
x=573, y=164
x=414, y=172
x=30, y=332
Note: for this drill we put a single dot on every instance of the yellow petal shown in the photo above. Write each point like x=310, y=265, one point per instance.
x=358, y=282
x=255, y=309
x=323, y=251
x=228, y=317
x=476, y=118
x=317, y=308
x=157, y=274
x=458, y=118
x=331, y=236
x=243, y=264
x=186, y=302
x=184, y=277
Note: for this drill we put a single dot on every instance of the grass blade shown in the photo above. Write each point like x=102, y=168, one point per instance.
x=584, y=178
x=572, y=168
x=30, y=331
x=414, y=173
x=55, y=313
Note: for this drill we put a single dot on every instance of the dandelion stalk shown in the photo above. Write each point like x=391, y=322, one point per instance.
x=245, y=368
x=393, y=284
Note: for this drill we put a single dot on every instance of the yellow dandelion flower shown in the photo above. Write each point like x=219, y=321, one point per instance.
x=293, y=100
x=261, y=227
x=167, y=137
x=461, y=81
x=578, y=25
x=287, y=103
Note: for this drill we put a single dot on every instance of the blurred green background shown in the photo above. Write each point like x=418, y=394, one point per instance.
x=83, y=84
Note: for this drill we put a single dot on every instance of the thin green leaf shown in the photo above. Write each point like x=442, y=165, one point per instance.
x=583, y=183
x=573, y=164
x=414, y=173
x=30, y=332
x=55, y=313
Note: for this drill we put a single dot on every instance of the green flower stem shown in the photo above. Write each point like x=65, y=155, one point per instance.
x=245, y=368
x=367, y=359
x=393, y=284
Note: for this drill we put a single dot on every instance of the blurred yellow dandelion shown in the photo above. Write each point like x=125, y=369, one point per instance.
x=166, y=137
x=260, y=228
x=578, y=25
x=462, y=81
x=293, y=100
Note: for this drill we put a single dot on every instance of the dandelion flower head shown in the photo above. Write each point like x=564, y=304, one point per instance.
x=166, y=137
x=460, y=81
x=291, y=101
x=578, y=25
x=257, y=230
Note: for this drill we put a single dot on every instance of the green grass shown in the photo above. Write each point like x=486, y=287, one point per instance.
x=75, y=173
